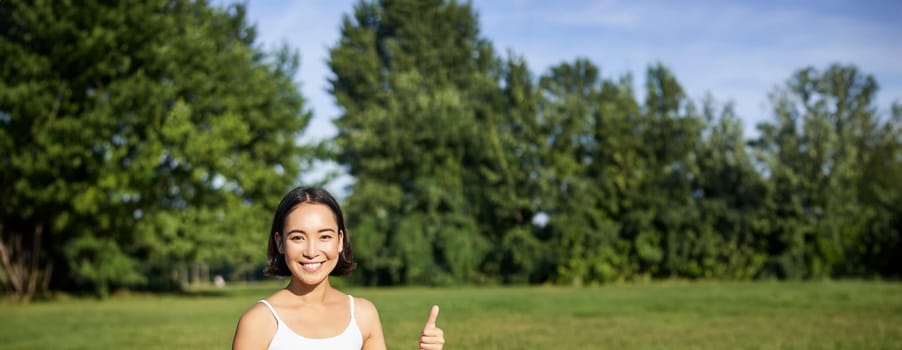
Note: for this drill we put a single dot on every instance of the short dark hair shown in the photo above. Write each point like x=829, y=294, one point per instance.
x=276, y=261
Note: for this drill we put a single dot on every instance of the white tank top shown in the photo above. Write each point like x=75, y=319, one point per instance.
x=285, y=338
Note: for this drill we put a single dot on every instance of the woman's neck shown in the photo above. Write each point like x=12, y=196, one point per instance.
x=310, y=294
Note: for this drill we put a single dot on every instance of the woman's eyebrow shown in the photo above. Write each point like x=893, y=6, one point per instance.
x=297, y=230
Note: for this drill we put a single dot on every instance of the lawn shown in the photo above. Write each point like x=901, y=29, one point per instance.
x=660, y=315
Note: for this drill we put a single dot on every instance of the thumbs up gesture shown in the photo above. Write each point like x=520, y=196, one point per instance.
x=432, y=338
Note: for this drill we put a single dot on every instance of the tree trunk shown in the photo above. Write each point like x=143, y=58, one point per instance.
x=22, y=267
x=205, y=274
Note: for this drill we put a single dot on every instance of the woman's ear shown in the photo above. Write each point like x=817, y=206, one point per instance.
x=278, y=239
x=341, y=241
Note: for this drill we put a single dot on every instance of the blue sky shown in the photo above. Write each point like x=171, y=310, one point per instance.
x=735, y=50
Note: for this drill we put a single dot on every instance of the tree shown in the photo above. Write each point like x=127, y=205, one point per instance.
x=583, y=233
x=821, y=155
x=728, y=194
x=880, y=193
x=410, y=77
x=136, y=138
x=511, y=201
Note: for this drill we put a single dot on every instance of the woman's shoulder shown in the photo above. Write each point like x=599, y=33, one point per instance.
x=365, y=309
x=256, y=325
x=255, y=328
x=367, y=318
x=257, y=314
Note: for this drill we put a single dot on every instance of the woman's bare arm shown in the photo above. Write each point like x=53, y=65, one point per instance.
x=255, y=329
x=370, y=325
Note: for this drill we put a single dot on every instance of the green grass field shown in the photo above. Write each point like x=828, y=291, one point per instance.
x=661, y=315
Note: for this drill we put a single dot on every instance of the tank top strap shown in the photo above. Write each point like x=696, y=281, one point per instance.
x=351, y=298
x=273, y=311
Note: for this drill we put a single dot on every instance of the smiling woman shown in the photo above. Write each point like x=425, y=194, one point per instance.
x=309, y=242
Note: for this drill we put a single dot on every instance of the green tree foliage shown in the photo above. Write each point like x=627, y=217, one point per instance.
x=412, y=78
x=510, y=191
x=828, y=155
x=579, y=174
x=470, y=169
x=728, y=195
x=136, y=138
x=141, y=140
x=660, y=224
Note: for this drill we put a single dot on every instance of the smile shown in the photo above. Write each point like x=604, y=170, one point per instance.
x=312, y=266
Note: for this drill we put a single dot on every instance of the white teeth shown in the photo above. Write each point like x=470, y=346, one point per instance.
x=312, y=265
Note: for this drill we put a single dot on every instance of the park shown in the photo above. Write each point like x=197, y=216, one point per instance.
x=144, y=147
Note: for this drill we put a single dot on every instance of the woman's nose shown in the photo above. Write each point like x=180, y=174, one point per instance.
x=310, y=249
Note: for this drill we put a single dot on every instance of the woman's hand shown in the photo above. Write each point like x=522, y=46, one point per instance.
x=432, y=338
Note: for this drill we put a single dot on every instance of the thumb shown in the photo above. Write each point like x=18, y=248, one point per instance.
x=432, y=317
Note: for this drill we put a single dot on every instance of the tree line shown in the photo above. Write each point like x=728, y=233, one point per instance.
x=140, y=140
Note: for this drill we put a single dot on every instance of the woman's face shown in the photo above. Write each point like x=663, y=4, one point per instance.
x=311, y=242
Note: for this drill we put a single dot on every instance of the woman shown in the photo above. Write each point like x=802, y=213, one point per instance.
x=309, y=242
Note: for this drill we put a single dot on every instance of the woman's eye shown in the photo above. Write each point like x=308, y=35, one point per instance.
x=325, y=237
x=296, y=238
